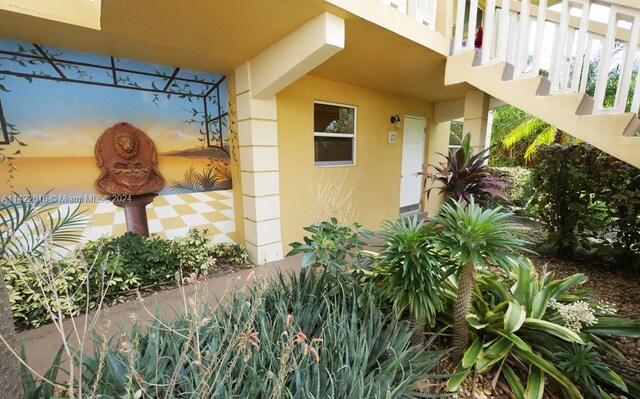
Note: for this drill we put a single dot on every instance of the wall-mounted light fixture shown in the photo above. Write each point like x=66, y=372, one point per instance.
x=395, y=120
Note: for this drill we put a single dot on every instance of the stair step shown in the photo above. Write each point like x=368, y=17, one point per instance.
x=571, y=112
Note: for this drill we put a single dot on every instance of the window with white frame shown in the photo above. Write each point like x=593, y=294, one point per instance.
x=334, y=134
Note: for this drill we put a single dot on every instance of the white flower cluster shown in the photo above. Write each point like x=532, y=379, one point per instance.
x=575, y=314
x=605, y=308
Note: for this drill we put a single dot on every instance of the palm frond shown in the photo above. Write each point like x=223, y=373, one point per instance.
x=545, y=137
x=528, y=128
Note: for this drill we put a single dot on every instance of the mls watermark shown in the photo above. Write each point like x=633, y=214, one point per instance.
x=63, y=199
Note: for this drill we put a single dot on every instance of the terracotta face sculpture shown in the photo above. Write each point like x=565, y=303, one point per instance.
x=128, y=162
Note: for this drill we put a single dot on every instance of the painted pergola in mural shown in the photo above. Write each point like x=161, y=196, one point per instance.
x=35, y=61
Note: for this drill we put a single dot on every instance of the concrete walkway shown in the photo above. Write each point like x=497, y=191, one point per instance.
x=42, y=343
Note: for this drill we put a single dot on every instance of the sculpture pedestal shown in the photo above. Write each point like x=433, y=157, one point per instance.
x=135, y=213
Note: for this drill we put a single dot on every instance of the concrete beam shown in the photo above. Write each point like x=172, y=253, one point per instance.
x=295, y=55
x=85, y=13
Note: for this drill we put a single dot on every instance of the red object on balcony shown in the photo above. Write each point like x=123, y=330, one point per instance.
x=478, y=42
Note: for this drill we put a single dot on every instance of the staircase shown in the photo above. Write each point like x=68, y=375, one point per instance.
x=583, y=55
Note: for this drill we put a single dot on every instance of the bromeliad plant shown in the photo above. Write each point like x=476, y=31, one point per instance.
x=476, y=238
x=529, y=326
x=465, y=175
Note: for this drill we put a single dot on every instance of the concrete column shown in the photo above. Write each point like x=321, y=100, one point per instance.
x=476, y=113
x=438, y=139
x=257, y=83
x=258, y=142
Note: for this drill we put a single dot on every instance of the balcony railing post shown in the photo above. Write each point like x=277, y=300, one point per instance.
x=627, y=68
x=540, y=25
x=605, y=62
x=473, y=16
x=503, y=33
x=460, y=11
x=412, y=6
x=559, y=43
x=522, y=50
x=489, y=29
x=581, y=52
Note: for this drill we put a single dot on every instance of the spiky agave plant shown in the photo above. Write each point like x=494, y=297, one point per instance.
x=465, y=175
x=475, y=237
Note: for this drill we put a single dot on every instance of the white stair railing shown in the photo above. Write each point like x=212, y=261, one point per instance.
x=585, y=56
x=424, y=11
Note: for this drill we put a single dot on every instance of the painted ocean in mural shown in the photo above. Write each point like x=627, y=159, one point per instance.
x=56, y=103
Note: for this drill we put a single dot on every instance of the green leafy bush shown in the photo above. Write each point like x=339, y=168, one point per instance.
x=586, y=196
x=520, y=188
x=332, y=246
x=289, y=338
x=230, y=253
x=108, y=271
x=566, y=178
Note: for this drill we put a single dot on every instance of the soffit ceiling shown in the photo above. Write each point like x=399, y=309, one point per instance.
x=218, y=36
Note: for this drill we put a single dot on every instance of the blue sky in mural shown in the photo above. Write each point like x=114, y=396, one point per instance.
x=57, y=117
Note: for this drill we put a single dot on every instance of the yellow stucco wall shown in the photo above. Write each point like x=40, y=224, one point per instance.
x=376, y=176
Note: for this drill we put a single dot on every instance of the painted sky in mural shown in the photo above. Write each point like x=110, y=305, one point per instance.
x=58, y=102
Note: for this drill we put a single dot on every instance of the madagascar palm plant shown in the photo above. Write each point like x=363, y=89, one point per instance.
x=465, y=175
x=475, y=238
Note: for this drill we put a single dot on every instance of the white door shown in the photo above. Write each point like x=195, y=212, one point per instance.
x=412, y=160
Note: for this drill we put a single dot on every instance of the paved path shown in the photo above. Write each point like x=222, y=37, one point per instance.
x=42, y=343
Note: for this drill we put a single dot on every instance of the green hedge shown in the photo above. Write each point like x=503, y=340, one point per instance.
x=111, y=269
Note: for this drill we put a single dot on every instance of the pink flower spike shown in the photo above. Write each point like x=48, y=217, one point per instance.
x=288, y=320
x=315, y=352
x=250, y=276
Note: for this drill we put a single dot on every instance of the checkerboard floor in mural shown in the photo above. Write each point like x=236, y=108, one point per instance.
x=170, y=216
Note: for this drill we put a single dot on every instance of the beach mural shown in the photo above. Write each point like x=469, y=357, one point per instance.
x=55, y=103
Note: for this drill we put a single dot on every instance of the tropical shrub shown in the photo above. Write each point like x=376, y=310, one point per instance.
x=465, y=175
x=409, y=270
x=520, y=188
x=230, y=253
x=621, y=194
x=528, y=326
x=286, y=338
x=331, y=246
x=566, y=178
x=585, y=196
x=114, y=267
x=475, y=238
